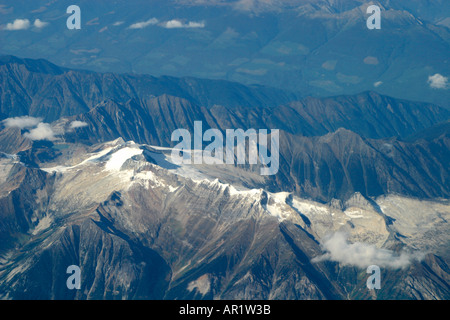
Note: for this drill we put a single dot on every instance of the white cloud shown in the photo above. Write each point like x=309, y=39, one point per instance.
x=42, y=132
x=18, y=24
x=438, y=81
x=40, y=24
x=173, y=24
x=118, y=23
x=143, y=24
x=362, y=255
x=21, y=122
x=38, y=130
x=377, y=84
x=77, y=124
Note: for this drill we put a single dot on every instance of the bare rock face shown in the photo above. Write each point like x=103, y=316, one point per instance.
x=140, y=227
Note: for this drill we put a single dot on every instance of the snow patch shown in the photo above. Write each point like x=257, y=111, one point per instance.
x=148, y=176
x=354, y=213
x=92, y=158
x=202, y=284
x=43, y=224
x=309, y=208
x=56, y=169
x=119, y=157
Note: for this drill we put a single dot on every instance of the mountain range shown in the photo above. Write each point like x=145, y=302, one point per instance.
x=86, y=179
x=329, y=147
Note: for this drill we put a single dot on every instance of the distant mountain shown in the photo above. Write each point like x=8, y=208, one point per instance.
x=41, y=89
x=438, y=130
x=313, y=47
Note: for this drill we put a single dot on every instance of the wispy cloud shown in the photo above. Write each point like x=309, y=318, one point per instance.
x=18, y=24
x=40, y=9
x=377, y=84
x=362, y=255
x=5, y=10
x=22, y=122
x=77, y=124
x=118, y=23
x=143, y=24
x=371, y=60
x=438, y=81
x=254, y=72
x=173, y=24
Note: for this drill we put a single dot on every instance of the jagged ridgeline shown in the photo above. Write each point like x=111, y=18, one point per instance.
x=364, y=145
x=100, y=191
